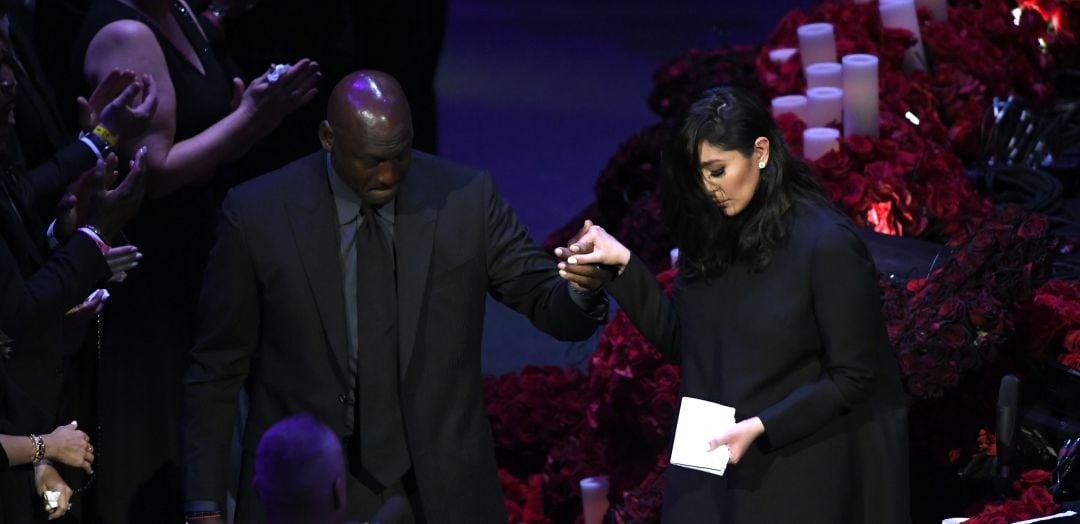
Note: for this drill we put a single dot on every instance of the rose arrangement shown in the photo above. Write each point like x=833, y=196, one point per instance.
x=1034, y=501
x=960, y=316
x=1052, y=320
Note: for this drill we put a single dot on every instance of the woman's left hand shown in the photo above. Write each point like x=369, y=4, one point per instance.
x=46, y=478
x=739, y=438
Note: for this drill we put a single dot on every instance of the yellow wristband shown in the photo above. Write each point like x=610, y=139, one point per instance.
x=105, y=135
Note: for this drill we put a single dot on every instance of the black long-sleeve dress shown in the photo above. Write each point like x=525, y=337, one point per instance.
x=802, y=345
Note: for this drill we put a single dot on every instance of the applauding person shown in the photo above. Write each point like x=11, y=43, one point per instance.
x=203, y=121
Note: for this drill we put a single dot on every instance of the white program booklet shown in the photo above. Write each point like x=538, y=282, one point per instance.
x=699, y=422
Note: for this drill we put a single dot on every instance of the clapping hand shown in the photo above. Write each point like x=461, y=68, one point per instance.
x=122, y=103
x=277, y=93
x=593, y=258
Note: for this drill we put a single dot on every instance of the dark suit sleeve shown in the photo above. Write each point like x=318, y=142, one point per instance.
x=525, y=278
x=40, y=301
x=49, y=180
x=640, y=296
x=221, y=359
x=848, y=310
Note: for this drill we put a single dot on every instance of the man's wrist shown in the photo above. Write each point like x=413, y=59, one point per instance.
x=95, y=235
x=202, y=511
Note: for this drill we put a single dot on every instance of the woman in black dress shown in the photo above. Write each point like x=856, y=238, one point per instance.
x=776, y=313
x=203, y=121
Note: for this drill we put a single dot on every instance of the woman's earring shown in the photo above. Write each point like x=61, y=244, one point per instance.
x=761, y=165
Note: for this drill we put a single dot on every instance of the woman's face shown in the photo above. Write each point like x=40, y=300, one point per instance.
x=730, y=178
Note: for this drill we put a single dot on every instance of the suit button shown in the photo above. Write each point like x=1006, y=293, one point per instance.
x=343, y=398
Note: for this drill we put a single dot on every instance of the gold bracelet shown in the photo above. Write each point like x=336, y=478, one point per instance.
x=39, y=449
x=107, y=136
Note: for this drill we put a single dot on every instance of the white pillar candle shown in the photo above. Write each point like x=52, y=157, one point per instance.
x=901, y=14
x=594, y=499
x=824, y=105
x=820, y=140
x=782, y=54
x=939, y=8
x=860, y=95
x=789, y=104
x=816, y=44
x=825, y=74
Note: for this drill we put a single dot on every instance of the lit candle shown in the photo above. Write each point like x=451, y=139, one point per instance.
x=816, y=44
x=782, y=54
x=860, y=95
x=901, y=14
x=789, y=104
x=825, y=74
x=594, y=499
x=824, y=105
x=939, y=8
x=820, y=140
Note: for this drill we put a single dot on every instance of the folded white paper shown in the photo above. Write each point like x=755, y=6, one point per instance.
x=699, y=422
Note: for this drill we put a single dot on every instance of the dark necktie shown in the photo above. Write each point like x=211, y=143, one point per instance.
x=383, y=450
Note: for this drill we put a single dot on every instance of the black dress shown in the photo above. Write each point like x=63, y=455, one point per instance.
x=802, y=345
x=149, y=322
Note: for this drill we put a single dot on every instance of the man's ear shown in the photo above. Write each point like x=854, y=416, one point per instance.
x=326, y=136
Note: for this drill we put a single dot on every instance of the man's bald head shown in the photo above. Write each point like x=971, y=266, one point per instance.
x=371, y=102
x=368, y=133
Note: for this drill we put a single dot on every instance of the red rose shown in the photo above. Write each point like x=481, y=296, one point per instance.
x=955, y=335
x=1039, y=501
x=854, y=192
x=834, y=164
x=983, y=313
x=951, y=308
x=1034, y=226
x=859, y=147
x=1071, y=360
x=1032, y=477
x=982, y=240
x=1072, y=341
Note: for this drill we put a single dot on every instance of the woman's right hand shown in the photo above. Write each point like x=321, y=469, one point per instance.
x=268, y=101
x=68, y=445
x=594, y=257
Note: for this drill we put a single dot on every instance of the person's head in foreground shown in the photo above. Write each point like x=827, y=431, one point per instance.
x=728, y=179
x=300, y=472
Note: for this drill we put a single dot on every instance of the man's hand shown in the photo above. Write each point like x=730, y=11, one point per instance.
x=46, y=478
x=739, y=438
x=592, y=259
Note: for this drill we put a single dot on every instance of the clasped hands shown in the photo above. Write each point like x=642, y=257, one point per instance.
x=592, y=258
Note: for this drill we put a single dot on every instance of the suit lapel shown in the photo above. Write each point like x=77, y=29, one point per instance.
x=314, y=229
x=414, y=236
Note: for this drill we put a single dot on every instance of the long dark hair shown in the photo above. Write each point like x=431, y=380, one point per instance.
x=709, y=241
